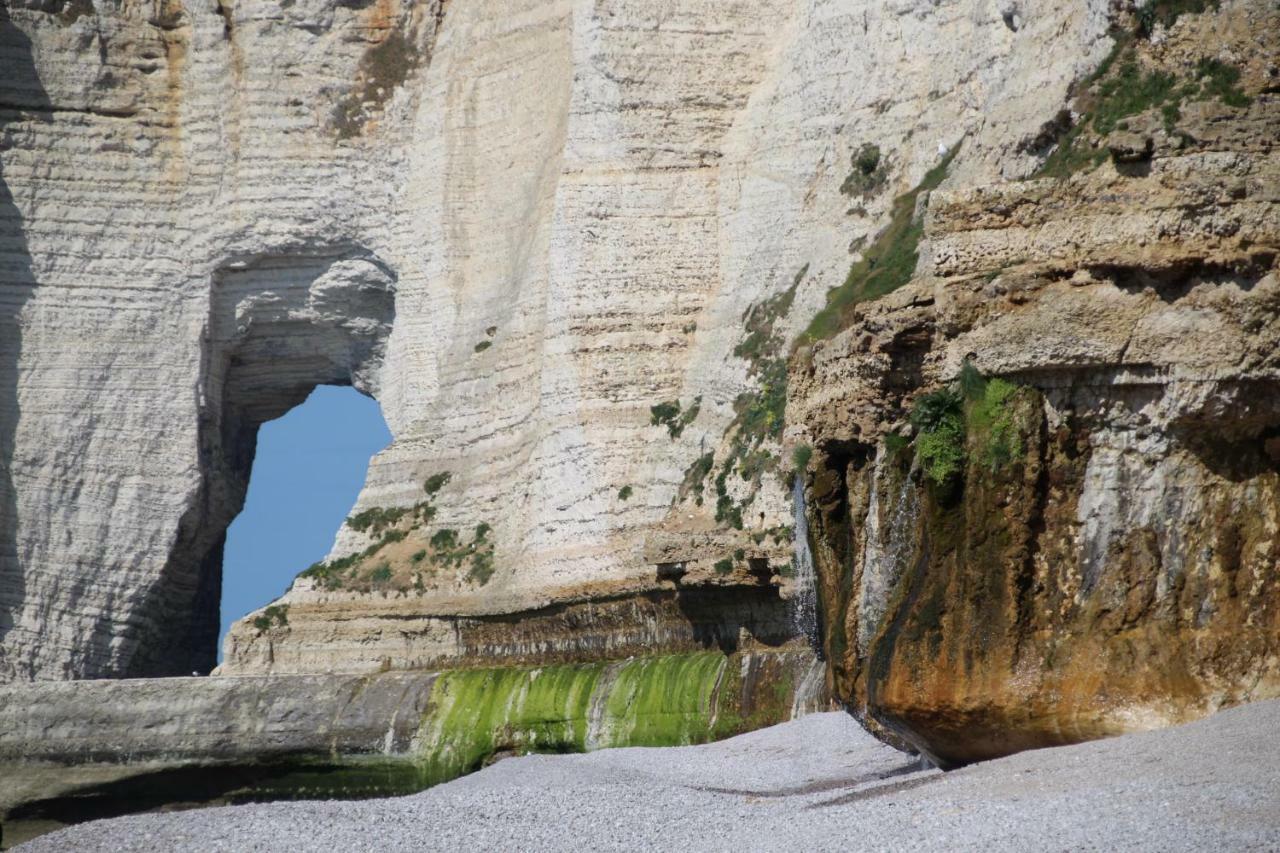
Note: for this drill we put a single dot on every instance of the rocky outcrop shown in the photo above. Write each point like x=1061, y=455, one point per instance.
x=534, y=231
x=74, y=751
x=1045, y=488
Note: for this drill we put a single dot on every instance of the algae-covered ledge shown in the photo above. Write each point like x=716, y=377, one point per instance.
x=254, y=738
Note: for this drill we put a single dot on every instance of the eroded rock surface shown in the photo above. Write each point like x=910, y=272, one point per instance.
x=521, y=226
x=1084, y=542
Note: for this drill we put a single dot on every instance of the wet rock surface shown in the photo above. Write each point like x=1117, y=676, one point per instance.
x=73, y=751
x=1045, y=497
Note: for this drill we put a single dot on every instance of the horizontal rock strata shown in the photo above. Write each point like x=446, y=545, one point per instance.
x=1046, y=484
x=549, y=237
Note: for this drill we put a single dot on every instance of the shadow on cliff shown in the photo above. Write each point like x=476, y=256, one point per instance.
x=21, y=93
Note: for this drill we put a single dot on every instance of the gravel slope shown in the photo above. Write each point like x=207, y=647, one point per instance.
x=817, y=783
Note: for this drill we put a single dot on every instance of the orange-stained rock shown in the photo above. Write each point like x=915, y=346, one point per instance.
x=1107, y=556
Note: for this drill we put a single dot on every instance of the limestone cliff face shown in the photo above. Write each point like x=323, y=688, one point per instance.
x=1076, y=534
x=520, y=226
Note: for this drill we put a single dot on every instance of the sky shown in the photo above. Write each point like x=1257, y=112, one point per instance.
x=307, y=473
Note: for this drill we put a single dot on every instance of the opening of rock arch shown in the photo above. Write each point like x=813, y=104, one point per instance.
x=307, y=472
x=279, y=326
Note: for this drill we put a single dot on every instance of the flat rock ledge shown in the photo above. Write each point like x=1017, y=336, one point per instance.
x=76, y=751
x=817, y=783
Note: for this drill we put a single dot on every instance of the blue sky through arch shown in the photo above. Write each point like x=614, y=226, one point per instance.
x=308, y=470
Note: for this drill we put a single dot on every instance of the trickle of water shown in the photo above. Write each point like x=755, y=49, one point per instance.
x=804, y=600
x=811, y=691
x=902, y=530
x=890, y=545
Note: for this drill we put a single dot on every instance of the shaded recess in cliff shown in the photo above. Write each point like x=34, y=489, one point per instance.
x=20, y=91
x=279, y=325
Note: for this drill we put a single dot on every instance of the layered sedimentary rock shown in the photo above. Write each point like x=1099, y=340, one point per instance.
x=563, y=244
x=1045, y=490
x=77, y=750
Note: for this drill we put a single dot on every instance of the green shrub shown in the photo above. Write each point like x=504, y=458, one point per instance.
x=723, y=567
x=624, y=493
x=939, y=421
x=664, y=413
x=868, y=173
x=1166, y=12
x=934, y=409
x=895, y=443
x=669, y=414
x=1220, y=81
x=727, y=511
x=482, y=531
x=418, y=556
x=481, y=566
x=992, y=419
x=483, y=345
x=941, y=452
x=444, y=539
x=376, y=518
x=274, y=614
x=800, y=456
x=380, y=574
x=436, y=482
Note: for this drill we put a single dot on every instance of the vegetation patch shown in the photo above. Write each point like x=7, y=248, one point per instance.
x=869, y=172
x=657, y=701
x=272, y=616
x=938, y=418
x=887, y=264
x=1222, y=81
x=1120, y=89
x=375, y=519
x=625, y=493
x=1167, y=12
x=447, y=550
x=436, y=482
x=384, y=67
x=758, y=414
x=670, y=415
x=970, y=421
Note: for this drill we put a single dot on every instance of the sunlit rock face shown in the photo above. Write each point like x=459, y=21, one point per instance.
x=520, y=226
x=1093, y=548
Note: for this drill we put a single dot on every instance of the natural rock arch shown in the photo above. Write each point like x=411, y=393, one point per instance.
x=279, y=325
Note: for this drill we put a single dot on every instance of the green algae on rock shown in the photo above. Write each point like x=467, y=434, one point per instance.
x=670, y=700
x=257, y=738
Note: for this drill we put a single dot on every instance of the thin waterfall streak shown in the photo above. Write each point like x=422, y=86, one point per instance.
x=804, y=599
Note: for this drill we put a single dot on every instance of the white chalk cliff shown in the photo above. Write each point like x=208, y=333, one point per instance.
x=518, y=225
